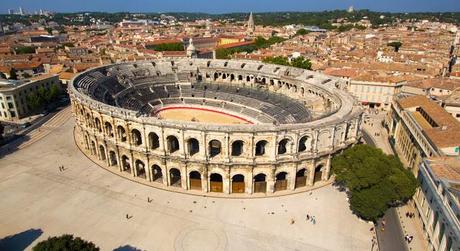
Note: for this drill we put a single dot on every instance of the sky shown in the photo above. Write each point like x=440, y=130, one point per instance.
x=227, y=6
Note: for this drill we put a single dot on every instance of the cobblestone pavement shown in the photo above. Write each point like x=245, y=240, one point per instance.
x=92, y=203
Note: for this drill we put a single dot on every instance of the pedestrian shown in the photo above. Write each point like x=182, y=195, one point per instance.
x=407, y=214
x=127, y=217
x=308, y=217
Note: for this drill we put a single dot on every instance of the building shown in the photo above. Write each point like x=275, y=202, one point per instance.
x=437, y=202
x=268, y=129
x=251, y=25
x=451, y=103
x=420, y=128
x=435, y=87
x=14, y=93
x=375, y=92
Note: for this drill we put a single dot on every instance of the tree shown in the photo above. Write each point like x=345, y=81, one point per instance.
x=301, y=62
x=375, y=181
x=65, y=242
x=13, y=74
x=396, y=45
x=301, y=32
x=166, y=47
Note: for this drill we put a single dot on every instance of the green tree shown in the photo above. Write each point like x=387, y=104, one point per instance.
x=65, y=242
x=25, y=50
x=13, y=74
x=166, y=47
x=375, y=181
x=301, y=62
x=34, y=101
x=301, y=32
x=396, y=45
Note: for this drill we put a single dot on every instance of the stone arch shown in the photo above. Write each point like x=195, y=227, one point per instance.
x=281, y=181
x=154, y=141
x=172, y=143
x=140, y=169
x=125, y=164
x=113, y=161
x=237, y=148
x=121, y=133
x=195, y=180
x=319, y=169
x=175, y=177
x=238, y=185
x=93, y=147
x=261, y=148
x=108, y=129
x=215, y=148
x=304, y=143
x=301, y=178
x=193, y=146
x=136, y=137
x=216, y=183
x=260, y=183
x=157, y=174
x=102, y=152
x=283, y=146
x=97, y=123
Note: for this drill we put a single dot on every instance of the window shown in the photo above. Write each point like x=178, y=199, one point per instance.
x=13, y=114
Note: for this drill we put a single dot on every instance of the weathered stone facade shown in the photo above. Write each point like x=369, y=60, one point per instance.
x=247, y=159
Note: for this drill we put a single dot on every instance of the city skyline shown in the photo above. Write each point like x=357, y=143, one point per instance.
x=222, y=6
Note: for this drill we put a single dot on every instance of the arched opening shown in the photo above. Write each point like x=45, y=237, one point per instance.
x=240, y=78
x=193, y=146
x=113, y=158
x=86, y=142
x=232, y=77
x=283, y=146
x=174, y=177
x=126, y=166
x=281, y=181
x=260, y=147
x=102, y=152
x=216, y=183
x=260, y=183
x=136, y=137
x=237, y=148
x=93, y=148
x=301, y=178
x=318, y=173
x=154, y=141
x=216, y=75
x=98, y=124
x=157, y=174
x=121, y=133
x=195, y=180
x=215, y=148
x=140, y=169
x=238, y=183
x=304, y=143
x=173, y=144
x=108, y=129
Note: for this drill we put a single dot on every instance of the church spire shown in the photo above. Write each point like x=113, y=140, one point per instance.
x=251, y=25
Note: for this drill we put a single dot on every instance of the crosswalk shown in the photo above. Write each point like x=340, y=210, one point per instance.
x=56, y=121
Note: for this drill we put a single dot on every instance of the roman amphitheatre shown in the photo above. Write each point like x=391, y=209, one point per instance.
x=214, y=126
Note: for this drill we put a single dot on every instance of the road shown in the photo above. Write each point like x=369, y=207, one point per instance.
x=390, y=237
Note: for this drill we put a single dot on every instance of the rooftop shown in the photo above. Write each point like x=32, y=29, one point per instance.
x=437, y=124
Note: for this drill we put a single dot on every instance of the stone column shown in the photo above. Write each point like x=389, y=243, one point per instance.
x=327, y=169
x=292, y=177
x=311, y=173
x=184, y=177
x=133, y=166
x=204, y=180
x=249, y=182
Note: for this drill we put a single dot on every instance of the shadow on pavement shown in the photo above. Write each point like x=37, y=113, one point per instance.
x=20, y=241
x=13, y=145
x=126, y=248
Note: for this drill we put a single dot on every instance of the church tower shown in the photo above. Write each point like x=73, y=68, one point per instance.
x=191, y=50
x=251, y=25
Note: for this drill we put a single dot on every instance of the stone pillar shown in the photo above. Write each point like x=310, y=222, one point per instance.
x=166, y=176
x=226, y=181
x=249, y=182
x=204, y=180
x=311, y=173
x=184, y=177
x=327, y=168
x=292, y=177
x=133, y=166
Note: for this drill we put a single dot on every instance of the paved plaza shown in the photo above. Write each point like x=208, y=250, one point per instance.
x=92, y=203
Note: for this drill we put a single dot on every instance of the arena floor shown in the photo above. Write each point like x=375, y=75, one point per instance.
x=92, y=203
x=206, y=115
